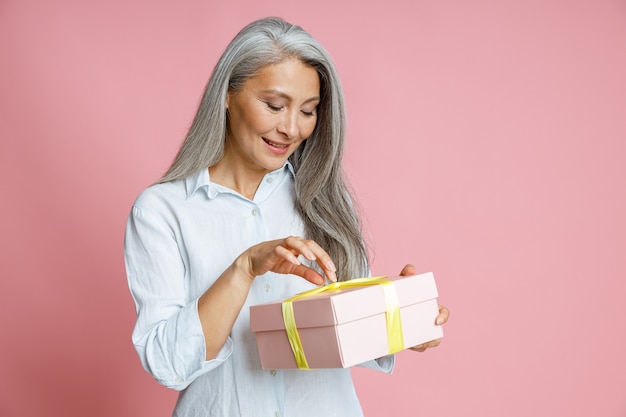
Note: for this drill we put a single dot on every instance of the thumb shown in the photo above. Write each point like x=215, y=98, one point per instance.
x=408, y=269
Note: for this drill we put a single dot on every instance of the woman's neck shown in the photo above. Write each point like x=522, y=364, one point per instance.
x=236, y=176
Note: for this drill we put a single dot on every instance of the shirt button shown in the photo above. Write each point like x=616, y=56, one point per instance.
x=267, y=287
x=277, y=414
x=270, y=180
x=254, y=212
x=273, y=372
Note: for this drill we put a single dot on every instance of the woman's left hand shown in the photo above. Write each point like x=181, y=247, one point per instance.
x=440, y=320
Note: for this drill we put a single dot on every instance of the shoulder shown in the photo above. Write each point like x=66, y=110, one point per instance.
x=160, y=196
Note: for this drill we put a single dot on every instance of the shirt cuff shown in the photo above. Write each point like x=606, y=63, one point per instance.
x=191, y=353
x=207, y=366
x=384, y=364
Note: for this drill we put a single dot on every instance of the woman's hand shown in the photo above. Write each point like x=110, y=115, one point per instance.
x=220, y=305
x=281, y=256
x=440, y=320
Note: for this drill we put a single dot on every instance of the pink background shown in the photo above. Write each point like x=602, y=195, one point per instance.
x=487, y=141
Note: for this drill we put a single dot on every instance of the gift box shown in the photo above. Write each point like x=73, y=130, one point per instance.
x=346, y=323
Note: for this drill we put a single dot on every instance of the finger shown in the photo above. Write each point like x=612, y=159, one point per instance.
x=286, y=254
x=309, y=274
x=427, y=345
x=419, y=348
x=300, y=246
x=283, y=261
x=314, y=252
x=434, y=343
x=324, y=260
x=443, y=316
x=408, y=270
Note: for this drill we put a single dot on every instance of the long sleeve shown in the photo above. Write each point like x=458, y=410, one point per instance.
x=167, y=336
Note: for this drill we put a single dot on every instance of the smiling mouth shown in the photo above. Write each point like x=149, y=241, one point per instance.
x=275, y=145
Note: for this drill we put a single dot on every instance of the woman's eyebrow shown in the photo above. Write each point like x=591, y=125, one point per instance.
x=287, y=96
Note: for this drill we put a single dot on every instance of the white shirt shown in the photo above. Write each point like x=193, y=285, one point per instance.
x=180, y=237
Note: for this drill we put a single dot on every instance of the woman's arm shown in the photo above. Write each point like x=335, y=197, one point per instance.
x=220, y=305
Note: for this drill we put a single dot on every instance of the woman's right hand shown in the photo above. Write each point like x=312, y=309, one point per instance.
x=220, y=305
x=281, y=256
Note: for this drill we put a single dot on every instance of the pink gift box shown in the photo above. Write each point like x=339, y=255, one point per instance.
x=345, y=327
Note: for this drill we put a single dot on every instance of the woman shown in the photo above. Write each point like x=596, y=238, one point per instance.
x=260, y=167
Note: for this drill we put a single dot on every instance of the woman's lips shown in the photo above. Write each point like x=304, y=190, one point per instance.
x=277, y=147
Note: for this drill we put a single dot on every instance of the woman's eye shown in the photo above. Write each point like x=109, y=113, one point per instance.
x=309, y=110
x=273, y=107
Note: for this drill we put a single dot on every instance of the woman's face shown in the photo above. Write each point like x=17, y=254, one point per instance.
x=272, y=115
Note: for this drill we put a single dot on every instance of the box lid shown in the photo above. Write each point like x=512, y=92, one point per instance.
x=344, y=305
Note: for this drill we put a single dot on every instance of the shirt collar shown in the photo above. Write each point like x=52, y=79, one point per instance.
x=202, y=180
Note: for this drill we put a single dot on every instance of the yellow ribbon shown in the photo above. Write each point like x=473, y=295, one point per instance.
x=395, y=339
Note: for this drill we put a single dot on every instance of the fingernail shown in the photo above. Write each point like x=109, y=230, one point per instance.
x=330, y=265
x=295, y=260
x=439, y=321
x=331, y=276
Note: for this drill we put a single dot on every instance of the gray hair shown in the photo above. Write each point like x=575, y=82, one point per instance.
x=322, y=196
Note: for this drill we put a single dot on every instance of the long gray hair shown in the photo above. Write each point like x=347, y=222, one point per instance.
x=322, y=196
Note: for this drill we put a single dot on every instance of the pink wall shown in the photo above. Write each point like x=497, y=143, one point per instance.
x=487, y=144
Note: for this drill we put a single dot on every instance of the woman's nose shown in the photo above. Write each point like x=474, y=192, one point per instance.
x=288, y=125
